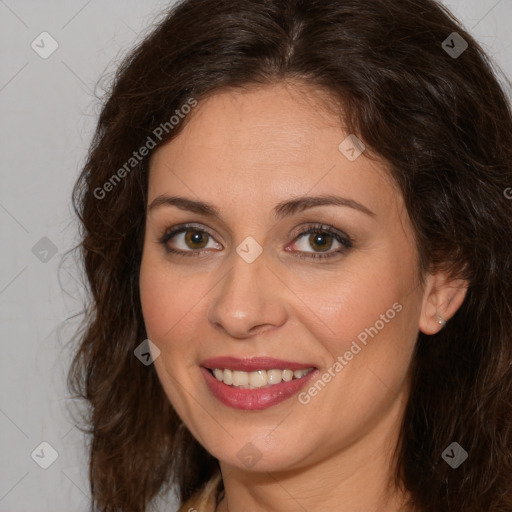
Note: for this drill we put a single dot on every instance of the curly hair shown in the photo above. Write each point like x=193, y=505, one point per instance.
x=441, y=121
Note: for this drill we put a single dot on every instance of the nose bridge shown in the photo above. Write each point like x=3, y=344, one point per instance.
x=244, y=300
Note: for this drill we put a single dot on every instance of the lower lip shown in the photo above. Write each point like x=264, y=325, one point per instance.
x=254, y=399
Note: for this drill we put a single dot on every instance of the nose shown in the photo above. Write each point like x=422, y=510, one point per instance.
x=249, y=299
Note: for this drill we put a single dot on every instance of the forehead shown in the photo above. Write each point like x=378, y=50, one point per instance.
x=276, y=122
x=273, y=141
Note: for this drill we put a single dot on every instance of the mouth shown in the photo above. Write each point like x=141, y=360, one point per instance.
x=255, y=383
x=257, y=379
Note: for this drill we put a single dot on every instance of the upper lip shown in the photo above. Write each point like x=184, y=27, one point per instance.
x=252, y=364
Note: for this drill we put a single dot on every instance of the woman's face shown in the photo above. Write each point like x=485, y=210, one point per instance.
x=246, y=283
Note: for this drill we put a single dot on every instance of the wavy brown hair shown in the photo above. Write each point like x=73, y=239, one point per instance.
x=444, y=126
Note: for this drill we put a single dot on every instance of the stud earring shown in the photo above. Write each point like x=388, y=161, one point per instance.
x=441, y=321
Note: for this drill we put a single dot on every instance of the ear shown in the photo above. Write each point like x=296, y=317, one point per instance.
x=443, y=295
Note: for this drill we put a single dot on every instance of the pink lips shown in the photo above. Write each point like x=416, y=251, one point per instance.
x=253, y=399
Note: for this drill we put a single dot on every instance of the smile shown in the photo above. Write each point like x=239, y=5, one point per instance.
x=256, y=383
x=257, y=379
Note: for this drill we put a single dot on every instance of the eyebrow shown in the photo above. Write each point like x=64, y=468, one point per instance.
x=281, y=210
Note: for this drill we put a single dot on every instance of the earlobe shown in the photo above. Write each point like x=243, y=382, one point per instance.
x=442, y=298
x=440, y=320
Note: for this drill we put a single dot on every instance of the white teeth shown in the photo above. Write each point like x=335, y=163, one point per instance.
x=227, y=377
x=273, y=376
x=287, y=375
x=257, y=379
x=239, y=378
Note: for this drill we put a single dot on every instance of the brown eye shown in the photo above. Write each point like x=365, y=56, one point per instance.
x=186, y=240
x=194, y=237
x=321, y=239
x=194, y=240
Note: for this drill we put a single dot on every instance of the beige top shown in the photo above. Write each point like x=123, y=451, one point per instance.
x=205, y=500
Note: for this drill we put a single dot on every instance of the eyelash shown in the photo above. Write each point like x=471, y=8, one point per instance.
x=343, y=239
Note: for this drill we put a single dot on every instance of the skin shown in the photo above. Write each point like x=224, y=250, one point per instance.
x=244, y=151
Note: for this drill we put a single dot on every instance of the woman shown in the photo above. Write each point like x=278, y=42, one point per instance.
x=297, y=233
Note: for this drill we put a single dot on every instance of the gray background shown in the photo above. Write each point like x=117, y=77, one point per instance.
x=48, y=114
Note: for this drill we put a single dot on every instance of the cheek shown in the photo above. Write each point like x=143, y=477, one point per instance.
x=163, y=297
x=154, y=301
x=359, y=298
x=168, y=313
x=174, y=306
